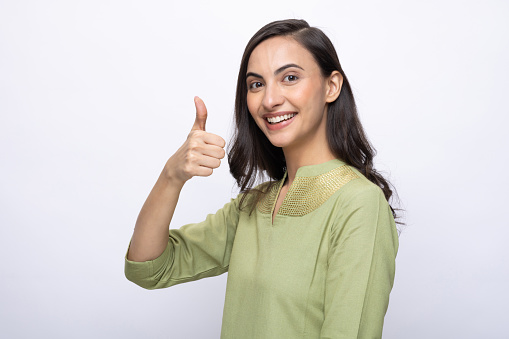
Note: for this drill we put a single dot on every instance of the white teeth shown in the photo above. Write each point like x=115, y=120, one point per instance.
x=275, y=120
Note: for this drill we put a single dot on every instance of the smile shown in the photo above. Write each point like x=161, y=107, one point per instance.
x=281, y=118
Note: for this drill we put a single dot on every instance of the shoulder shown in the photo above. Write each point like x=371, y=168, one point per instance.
x=360, y=191
x=360, y=210
x=360, y=200
x=266, y=186
x=259, y=194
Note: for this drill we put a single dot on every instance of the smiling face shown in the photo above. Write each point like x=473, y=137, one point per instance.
x=287, y=95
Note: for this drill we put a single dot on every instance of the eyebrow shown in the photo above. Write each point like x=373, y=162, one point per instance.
x=279, y=70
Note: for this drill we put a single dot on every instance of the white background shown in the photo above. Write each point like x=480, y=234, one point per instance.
x=96, y=95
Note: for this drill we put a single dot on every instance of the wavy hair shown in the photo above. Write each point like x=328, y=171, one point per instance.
x=251, y=155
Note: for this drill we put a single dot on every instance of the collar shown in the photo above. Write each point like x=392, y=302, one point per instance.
x=313, y=185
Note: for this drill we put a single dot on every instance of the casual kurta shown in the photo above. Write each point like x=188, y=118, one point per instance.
x=323, y=269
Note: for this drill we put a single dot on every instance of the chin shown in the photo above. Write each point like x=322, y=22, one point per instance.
x=279, y=142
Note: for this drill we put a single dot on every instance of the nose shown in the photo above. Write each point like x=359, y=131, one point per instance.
x=272, y=97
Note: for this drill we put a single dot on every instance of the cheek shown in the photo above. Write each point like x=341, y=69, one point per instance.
x=252, y=106
x=312, y=97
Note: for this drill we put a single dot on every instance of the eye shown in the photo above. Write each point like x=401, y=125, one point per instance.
x=290, y=78
x=255, y=85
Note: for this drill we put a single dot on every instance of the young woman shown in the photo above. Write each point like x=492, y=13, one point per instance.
x=310, y=253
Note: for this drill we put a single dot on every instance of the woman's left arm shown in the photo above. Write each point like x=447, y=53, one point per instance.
x=361, y=267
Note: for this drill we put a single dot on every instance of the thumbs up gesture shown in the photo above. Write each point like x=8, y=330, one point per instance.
x=201, y=115
x=200, y=153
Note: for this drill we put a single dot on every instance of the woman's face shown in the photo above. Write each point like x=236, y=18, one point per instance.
x=287, y=94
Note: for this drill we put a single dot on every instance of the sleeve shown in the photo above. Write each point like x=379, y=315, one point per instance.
x=361, y=267
x=193, y=252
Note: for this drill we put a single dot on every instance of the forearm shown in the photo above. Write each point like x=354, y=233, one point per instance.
x=150, y=235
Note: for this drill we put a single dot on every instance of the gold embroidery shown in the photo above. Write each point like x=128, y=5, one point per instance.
x=266, y=202
x=307, y=193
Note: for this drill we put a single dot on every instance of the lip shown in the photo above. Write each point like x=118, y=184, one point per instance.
x=280, y=125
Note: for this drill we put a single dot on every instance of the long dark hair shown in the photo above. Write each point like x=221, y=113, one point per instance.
x=252, y=156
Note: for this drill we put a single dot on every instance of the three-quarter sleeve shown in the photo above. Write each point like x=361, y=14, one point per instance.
x=361, y=266
x=193, y=252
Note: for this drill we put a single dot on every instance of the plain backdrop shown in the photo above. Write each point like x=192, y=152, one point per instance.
x=95, y=96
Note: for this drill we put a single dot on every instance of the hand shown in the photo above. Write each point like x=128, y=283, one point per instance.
x=200, y=154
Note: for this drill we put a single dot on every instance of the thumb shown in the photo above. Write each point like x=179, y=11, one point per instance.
x=201, y=115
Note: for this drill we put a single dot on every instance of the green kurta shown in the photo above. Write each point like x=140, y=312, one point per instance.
x=323, y=269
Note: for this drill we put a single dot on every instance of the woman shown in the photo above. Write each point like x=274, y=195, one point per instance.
x=310, y=253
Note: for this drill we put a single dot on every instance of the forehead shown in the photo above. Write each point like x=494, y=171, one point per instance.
x=275, y=52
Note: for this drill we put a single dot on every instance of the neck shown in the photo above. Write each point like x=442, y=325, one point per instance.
x=296, y=158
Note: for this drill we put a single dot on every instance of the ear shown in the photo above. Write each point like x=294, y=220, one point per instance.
x=333, y=86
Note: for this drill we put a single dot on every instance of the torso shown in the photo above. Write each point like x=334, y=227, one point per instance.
x=279, y=259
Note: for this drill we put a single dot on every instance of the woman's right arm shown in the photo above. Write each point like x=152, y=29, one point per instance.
x=198, y=156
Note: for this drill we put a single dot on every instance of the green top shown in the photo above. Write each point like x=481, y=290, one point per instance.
x=323, y=269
